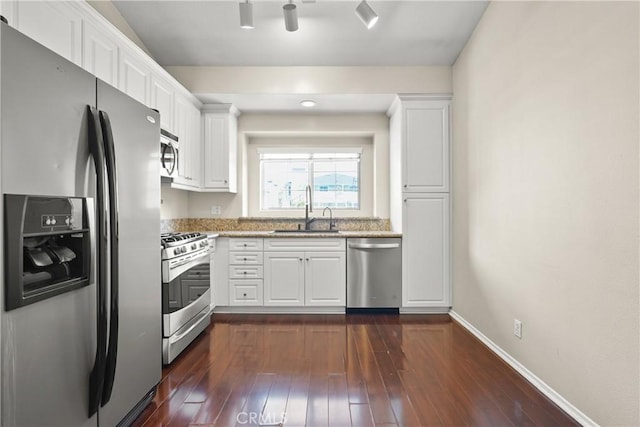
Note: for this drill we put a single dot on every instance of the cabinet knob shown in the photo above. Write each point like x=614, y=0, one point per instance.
x=225, y=181
x=300, y=259
x=245, y=245
x=244, y=272
x=307, y=259
x=405, y=186
x=405, y=200
x=244, y=295
x=244, y=259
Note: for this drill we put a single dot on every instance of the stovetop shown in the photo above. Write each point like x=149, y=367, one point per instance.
x=177, y=239
x=183, y=246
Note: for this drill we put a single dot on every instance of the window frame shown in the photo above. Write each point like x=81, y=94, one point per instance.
x=310, y=151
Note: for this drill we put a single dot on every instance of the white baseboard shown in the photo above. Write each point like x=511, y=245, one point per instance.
x=543, y=387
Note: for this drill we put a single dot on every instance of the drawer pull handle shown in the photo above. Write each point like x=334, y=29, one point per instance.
x=244, y=295
x=244, y=272
x=244, y=259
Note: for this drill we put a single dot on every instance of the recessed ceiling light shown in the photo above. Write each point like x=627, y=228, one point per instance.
x=308, y=103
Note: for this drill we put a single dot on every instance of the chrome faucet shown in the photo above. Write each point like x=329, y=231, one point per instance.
x=331, y=223
x=308, y=207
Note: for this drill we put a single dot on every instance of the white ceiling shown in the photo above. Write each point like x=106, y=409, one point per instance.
x=207, y=33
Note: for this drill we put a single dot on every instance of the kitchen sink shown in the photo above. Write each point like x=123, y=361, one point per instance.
x=305, y=231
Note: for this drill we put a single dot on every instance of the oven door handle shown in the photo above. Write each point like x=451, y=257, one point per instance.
x=96, y=148
x=181, y=268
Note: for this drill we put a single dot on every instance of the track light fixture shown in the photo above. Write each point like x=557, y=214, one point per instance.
x=366, y=14
x=246, y=15
x=290, y=16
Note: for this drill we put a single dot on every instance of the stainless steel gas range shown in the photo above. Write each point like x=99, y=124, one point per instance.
x=186, y=294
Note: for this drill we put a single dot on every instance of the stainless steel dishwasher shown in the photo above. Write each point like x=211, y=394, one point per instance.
x=374, y=273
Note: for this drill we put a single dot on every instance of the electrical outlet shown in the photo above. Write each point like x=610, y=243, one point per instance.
x=215, y=210
x=517, y=328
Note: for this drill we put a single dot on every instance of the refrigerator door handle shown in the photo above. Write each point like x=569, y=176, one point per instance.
x=96, y=148
x=112, y=184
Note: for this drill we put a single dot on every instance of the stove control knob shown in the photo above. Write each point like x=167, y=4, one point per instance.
x=194, y=246
x=176, y=251
x=184, y=249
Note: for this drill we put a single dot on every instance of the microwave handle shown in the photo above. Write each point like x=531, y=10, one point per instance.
x=165, y=149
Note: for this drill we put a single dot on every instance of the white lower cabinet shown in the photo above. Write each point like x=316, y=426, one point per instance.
x=246, y=292
x=425, y=251
x=245, y=272
x=284, y=279
x=309, y=277
x=325, y=279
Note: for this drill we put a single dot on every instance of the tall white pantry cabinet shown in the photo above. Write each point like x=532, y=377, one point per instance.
x=420, y=201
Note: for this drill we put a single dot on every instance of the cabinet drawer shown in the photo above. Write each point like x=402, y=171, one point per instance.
x=245, y=292
x=245, y=257
x=251, y=244
x=304, y=244
x=245, y=272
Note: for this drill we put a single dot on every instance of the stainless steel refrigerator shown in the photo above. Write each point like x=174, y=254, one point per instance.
x=80, y=303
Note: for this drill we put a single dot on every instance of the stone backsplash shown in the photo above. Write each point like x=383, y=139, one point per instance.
x=267, y=224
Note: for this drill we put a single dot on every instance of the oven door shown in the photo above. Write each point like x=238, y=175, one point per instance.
x=185, y=294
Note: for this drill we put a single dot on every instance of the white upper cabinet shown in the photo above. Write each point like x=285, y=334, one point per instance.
x=134, y=77
x=163, y=100
x=187, y=128
x=100, y=54
x=56, y=25
x=423, y=143
x=220, y=133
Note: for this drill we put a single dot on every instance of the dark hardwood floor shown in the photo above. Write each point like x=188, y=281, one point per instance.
x=344, y=370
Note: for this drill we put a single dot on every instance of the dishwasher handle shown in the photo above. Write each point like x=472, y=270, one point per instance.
x=374, y=245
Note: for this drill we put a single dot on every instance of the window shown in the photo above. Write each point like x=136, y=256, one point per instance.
x=333, y=176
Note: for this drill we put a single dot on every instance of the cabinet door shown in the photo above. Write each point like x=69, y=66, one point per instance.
x=195, y=145
x=284, y=278
x=134, y=78
x=54, y=24
x=426, y=146
x=183, y=132
x=100, y=54
x=162, y=99
x=220, y=152
x=425, y=251
x=325, y=278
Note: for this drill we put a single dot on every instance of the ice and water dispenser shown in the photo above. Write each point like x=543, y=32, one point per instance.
x=47, y=247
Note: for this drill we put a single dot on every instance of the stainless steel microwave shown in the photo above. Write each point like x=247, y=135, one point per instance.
x=169, y=152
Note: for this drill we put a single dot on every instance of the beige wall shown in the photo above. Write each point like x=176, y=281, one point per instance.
x=307, y=80
x=546, y=206
x=173, y=203
x=112, y=14
x=373, y=126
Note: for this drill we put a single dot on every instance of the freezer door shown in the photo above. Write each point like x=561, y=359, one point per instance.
x=47, y=347
x=136, y=136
